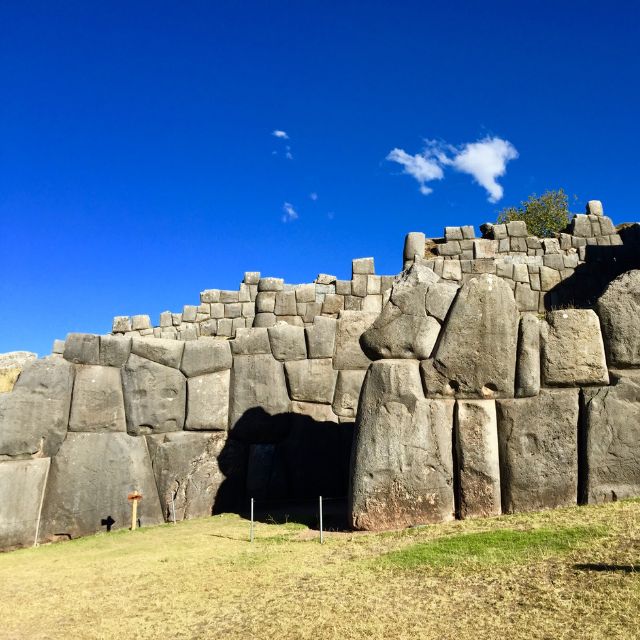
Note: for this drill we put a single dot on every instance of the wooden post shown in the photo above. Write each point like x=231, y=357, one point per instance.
x=321, y=531
x=134, y=497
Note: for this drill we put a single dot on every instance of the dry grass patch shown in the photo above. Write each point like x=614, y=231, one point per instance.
x=570, y=573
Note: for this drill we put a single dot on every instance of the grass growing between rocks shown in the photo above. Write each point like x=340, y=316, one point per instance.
x=569, y=573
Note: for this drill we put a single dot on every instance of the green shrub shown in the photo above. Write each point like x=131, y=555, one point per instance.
x=545, y=215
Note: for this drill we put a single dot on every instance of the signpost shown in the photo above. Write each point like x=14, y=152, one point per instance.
x=134, y=497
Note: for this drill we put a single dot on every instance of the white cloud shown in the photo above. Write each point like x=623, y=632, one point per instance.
x=313, y=195
x=288, y=155
x=279, y=133
x=290, y=213
x=484, y=160
x=424, y=167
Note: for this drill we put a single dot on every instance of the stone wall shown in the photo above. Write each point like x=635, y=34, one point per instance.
x=492, y=375
x=262, y=302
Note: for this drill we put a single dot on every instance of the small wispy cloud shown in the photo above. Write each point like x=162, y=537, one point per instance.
x=279, y=133
x=288, y=155
x=290, y=213
x=484, y=160
x=421, y=166
x=313, y=195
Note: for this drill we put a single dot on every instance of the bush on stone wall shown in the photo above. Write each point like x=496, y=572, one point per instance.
x=545, y=215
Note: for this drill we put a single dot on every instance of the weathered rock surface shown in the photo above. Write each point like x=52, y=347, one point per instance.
x=22, y=484
x=83, y=498
x=160, y=350
x=619, y=311
x=321, y=337
x=208, y=401
x=206, y=356
x=114, y=350
x=402, y=471
x=611, y=439
x=311, y=380
x=477, y=349
x=395, y=334
x=11, y=364
x=35, y=415
x=349, y=353
x=287, y=342
x=572, y=349
x=98, y=403
x=347, y=393
x=258, y=395
x=82, y=348
x=154, y=396
x=538, y=450
x=197, y=473
x=478, y=464
x=251, y=342
x=405, y=329
x=528, y=367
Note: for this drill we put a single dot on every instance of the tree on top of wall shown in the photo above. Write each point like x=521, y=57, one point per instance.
x=545, y=215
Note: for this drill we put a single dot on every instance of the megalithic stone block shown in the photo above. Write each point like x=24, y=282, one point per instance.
x=478, y=466
x=528, y=366
x=88, y=484
x=22, y=483
x=611, y=439
x=402, y=469
x=477, y=348
x=538, y=450
x=619, y=311
x=35, y=415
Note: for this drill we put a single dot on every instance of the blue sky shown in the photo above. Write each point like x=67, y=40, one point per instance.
x=138, y=164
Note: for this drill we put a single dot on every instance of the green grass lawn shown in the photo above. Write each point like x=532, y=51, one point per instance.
x=569, y=573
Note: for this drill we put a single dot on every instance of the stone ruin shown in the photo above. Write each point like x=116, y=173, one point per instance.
x=492, y=375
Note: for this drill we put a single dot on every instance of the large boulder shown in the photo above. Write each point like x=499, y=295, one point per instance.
x=477, y=458
x=88, y=484
x=402, y=469
x=197, y=474
x=619, y=311
x=154, y=396
x=35, y=415
x=97, y=403
x=311, y=380
x=259, y=402
x=208, y=401
x=572, y=349
x=476, y=355
x=347, y=393
x=207, y=355
x=160, y=350
x=406, y=328
x=22, y=484
x=538, y=450
x=611, y=439
x=349, y=353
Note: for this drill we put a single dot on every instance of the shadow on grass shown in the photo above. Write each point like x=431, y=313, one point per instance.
x=596, y=566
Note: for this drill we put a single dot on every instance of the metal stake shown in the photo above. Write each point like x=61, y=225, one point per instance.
x=251, y=530
x=321, y=531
